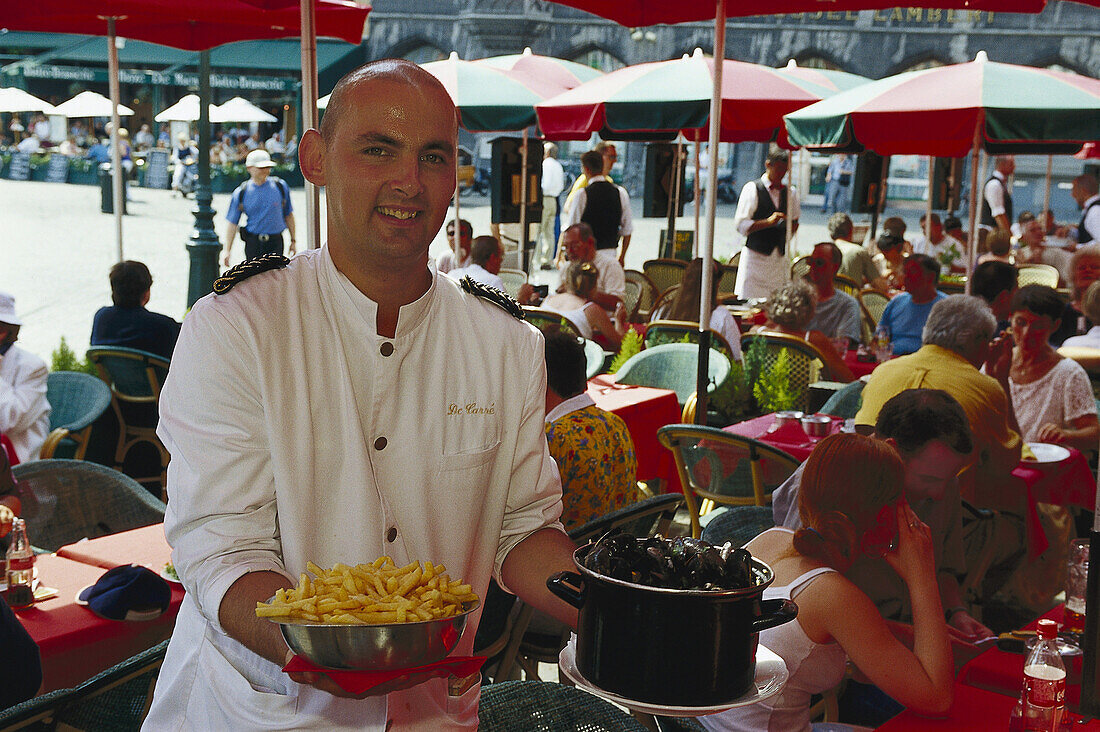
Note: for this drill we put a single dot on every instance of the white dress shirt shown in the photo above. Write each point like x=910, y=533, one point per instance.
x=746, y=204
x=298, y=433
x=24, y=411
x=995, y=194
x=478, y=274
x=553, y=177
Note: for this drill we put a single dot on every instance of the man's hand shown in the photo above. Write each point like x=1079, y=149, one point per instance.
x=225, y=260
x=999, y=360
x=6, y=517
x=776, y=218
x=970, y=628
x=527, y=294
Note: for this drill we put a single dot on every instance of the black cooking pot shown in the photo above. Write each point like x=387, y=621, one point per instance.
x=691, y=648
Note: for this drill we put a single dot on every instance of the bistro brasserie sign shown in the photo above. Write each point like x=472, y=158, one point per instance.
x=160, y=78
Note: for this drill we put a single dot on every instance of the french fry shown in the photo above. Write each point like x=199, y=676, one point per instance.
x=375, y=593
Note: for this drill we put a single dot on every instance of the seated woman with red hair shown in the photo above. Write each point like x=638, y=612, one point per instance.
x=850, y=503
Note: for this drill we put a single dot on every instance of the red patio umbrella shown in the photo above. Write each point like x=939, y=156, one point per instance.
x=194, y=25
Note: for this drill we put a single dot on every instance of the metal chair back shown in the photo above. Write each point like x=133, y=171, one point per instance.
x=661, y=332
x=724, y=468
x=594, y=358
x=663, y=303
x=65, y=501
x=76, y=401
x=522, y=706
x=738, y=525
x=632, y=293
x=664, y=273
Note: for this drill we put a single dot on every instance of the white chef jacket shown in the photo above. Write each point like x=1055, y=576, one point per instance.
x=24, y=411
x=275, y=410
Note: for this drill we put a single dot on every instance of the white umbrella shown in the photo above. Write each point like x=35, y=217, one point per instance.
x=90, y=104
x=185, y=110
x=238, y=109
x=13, y=99
x=322, y=103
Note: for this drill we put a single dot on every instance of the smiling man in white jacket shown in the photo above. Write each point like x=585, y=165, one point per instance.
x=342, y=407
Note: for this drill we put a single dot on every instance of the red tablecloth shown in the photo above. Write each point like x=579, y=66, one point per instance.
x=1067, y=483
x=972, y=709
x=145, y=546
x=645, y=411
x=75, y=644
x=789, y=438
x=1001, y=672
x=858, y=368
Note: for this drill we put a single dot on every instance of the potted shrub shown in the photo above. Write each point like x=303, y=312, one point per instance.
x=83, y=172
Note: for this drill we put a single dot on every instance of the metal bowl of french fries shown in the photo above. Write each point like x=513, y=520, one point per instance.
x=372, y=617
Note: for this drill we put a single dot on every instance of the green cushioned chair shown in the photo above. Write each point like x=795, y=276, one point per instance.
x=673, y=366
x=76, y=401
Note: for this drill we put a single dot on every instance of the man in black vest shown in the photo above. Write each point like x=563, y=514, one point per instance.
x=604, y=206
x=761, y=217
x=997, y=198
x=1085, y=191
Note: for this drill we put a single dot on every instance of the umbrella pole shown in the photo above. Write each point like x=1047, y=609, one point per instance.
x=523, y=204
x=1046, y=193
x=116, y=148
x=310, y=116
x=696, y=185
x=787, y=220
x=972, y=239
x=705, y=299
x=674, y=199
x=458, y=230
x=928, y=208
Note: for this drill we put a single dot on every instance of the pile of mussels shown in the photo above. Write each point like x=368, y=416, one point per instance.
x=682, y=563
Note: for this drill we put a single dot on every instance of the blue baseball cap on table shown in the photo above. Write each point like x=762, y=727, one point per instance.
x=128, y=592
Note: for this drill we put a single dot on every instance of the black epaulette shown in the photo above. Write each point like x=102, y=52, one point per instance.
x=246, y=269
x=501, y=299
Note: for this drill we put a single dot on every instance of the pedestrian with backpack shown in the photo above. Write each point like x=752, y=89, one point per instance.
x=264, y=200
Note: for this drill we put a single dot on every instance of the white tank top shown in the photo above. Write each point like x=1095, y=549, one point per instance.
x=813, y=668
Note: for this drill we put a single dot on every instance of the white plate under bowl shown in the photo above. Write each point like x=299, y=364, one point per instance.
x=1047, y=453
x=771, y=677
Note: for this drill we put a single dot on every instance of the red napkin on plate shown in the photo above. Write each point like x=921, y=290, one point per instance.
x=356, y=682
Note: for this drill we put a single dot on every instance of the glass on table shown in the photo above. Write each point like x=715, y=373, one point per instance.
x=1077, y=571
x=840, y=343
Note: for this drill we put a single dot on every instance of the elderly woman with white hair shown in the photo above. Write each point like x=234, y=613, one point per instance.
x=1084, y=269
x=1090, y=306
x=790, y=310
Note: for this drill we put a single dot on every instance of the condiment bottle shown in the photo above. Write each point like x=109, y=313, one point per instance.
x=1042, y=700
x=20, y=567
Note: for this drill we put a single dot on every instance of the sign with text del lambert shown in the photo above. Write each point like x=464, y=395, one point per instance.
x=20, y=166
x=58, y=172
x=156, y=169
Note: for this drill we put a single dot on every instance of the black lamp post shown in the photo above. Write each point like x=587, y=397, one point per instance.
x=204, y=246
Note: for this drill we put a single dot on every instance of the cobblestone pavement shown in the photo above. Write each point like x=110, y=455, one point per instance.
x=58, y=247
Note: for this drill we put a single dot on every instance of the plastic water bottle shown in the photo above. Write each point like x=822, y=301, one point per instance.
x=1043, y=699
x=20, y=567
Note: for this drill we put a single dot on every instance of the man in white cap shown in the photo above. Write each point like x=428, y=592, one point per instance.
x=24, y=411
x=264, y=199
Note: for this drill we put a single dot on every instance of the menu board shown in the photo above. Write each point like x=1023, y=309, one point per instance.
x=58, y=172
x=156, y=169
x=20, y=166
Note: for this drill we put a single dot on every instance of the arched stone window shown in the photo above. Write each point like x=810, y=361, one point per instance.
x=598, y=58
x=423, y=53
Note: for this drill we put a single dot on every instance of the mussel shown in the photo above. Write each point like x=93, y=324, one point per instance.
x=682, y=563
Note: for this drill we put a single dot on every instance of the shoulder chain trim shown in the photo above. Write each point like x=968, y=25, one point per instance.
x=501, y=299
x=246, y=269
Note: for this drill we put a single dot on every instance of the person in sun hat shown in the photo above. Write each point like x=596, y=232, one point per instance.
x=264, y=199
x=24, y=411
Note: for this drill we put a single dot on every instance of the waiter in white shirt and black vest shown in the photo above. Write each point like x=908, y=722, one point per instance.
x=761, y=218
x=1086, y=191
x=604, y=206
x=997, y=198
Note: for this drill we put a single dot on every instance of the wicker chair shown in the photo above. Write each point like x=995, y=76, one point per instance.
x=542, y=319
x=738, y=524
x=67, y=500
x=727, y=280
x=135, y=378
x=845, y=402
x=632, y=293
x=115, y=700
x=846, y=285
x=663, y=303
x=719, y=467
x=76, y=401
x=674, y=367
x=513, y=280
x=1037, y=274
x=805, y=361
x=524, y=706
x=661, y=332
x=664, y=273
x=800, y=267
x=873, y=304
x=647, y=295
